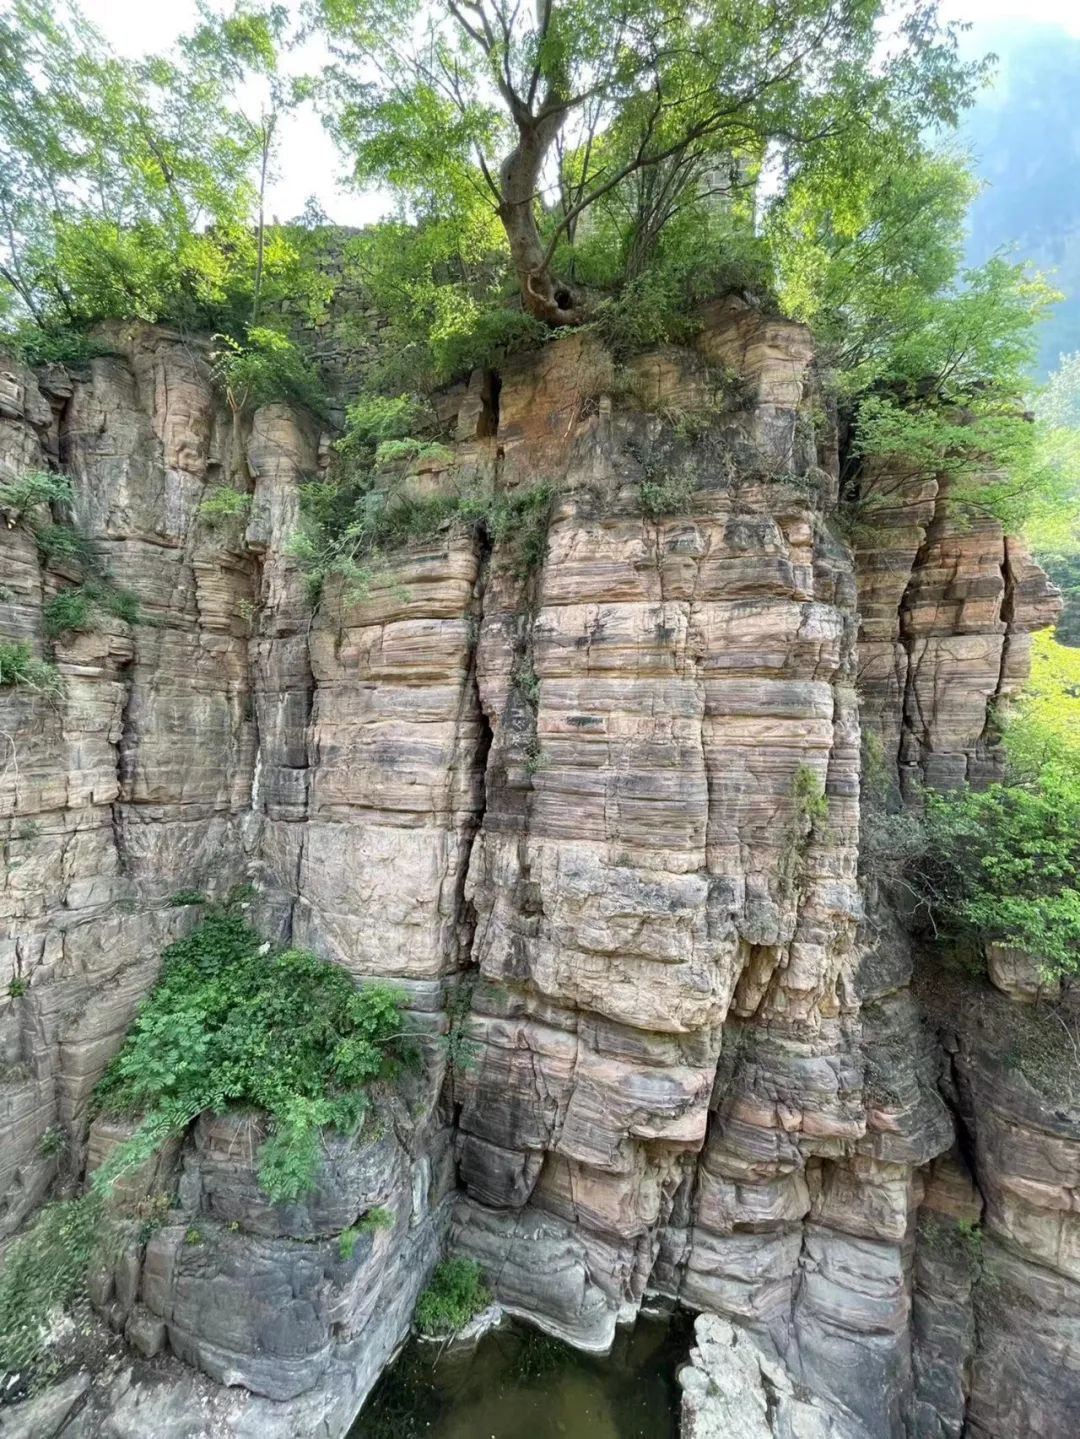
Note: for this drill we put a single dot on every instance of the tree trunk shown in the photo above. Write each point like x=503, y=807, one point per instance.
x=542, y=294
x=267, y=138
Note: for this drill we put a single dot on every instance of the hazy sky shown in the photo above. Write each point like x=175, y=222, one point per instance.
x=308, y=163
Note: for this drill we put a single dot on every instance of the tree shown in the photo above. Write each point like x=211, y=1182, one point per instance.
x=544, y=112
x=932, y=361
x=125, y=187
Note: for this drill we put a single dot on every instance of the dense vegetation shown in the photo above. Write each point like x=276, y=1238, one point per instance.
x=230, y=1022
x=612, y=166
x=998, y=864
x=456, y=1294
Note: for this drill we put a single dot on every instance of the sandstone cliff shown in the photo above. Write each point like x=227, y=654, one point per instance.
x=599, y=817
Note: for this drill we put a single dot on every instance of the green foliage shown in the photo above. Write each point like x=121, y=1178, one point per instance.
x=45, y=1270
x=372, y=420
x=224, y=504
x=810, y=810
x=697, y=257
x=268, y=368
x=67, y=544
x=184, y=897
x=18, y=666
x=456, y=1294
x=932, y=361
x=461, y=1052
x=808, y=793
x=78, y=608
x=17, y=988
x=37, y=487
x=348, y=1239
x=50, y=344
x=351, y=522
x=229, y=1023
x=125, y=185
x=1002, y=864
x=442, y=285
x=665, y=495
x=397, y=452
x=53, y=1142
x=374, y=1220
x=629, y=114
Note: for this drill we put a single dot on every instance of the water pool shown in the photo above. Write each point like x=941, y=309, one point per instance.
x=519, y=1384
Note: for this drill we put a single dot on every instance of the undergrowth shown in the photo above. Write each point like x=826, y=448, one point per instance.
x=79, y=608
x=224, y=504
x=348, y=531
x=36, y=487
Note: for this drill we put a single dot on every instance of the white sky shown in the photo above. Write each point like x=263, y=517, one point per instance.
x=308, y=163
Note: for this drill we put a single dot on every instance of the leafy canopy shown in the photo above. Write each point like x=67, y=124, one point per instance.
x=536, y=115
x=127, y=187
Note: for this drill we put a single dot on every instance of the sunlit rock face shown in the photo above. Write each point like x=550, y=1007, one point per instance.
x=589, y=794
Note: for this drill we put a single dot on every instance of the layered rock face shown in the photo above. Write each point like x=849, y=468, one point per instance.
x=586, y=787
x=149, y=776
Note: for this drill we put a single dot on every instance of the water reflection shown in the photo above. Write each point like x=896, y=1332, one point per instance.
x=519, y=1384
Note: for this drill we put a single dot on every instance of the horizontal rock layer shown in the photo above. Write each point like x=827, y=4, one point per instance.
x=597, y=816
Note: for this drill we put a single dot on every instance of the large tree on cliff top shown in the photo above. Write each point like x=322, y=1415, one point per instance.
x=544, y=107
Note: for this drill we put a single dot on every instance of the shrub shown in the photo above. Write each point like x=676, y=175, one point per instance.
x=456, y=1293
x=53, y=1142
x=224, y=504
x=44, y=1270
x=63, y=542
x=669, y=495
x=76, y=609
x=1002, y=864
x=268, y=369
x=185, y=897
x=374, y=1220
x=38, y=487
x=50, y=345
x=374, y=419
x=345, y=530
x=18, y=666
x=286, y=1032
x=229, y=1022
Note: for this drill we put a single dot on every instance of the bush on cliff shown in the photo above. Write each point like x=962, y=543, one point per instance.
x=231, y=1022
x=1003, y=864
x=456, y=1294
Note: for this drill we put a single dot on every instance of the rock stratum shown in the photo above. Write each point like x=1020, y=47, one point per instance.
x=596, y=811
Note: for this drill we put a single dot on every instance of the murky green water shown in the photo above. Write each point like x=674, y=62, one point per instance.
x=518, y=1384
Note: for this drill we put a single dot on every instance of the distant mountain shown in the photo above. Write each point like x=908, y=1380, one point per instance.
x=1025, y=136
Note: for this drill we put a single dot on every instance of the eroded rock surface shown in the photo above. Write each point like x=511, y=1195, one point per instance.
x=590, y=796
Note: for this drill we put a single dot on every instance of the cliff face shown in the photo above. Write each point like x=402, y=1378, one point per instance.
x=592, y=800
